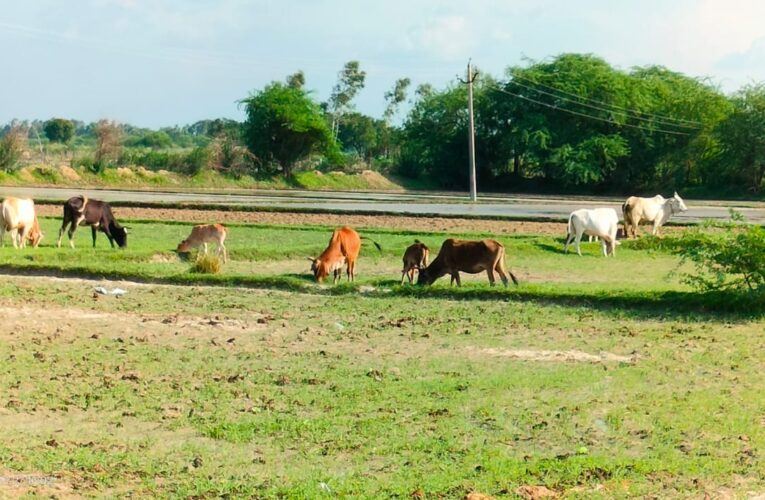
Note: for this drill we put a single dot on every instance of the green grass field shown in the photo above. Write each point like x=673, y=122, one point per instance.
x=596, y=377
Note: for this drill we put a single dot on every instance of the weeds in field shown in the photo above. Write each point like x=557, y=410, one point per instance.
x=206, y=264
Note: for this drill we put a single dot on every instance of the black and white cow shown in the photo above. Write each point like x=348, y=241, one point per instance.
x=97, y=214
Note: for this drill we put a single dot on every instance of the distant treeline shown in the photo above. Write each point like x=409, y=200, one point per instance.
x=570, y=124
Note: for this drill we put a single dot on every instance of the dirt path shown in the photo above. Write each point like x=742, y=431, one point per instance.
x=448, y=225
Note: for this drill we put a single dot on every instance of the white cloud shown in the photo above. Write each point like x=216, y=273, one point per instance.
x=446, y=38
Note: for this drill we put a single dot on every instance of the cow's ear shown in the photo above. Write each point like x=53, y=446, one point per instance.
x=676, y=196
x=311, y=259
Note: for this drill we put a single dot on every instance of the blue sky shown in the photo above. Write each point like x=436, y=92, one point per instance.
x=166, y=62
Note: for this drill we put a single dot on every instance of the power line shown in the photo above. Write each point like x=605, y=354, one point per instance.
x=625, y=113
x=584, y=115
x=616, y=106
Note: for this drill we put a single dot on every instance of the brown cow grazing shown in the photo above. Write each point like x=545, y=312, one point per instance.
x=17, y=215
x=415, y=258
x=97, y=214
x=467, y=256
x=343, y=249
x=204, y=234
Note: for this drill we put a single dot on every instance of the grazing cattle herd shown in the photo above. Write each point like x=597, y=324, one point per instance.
x=18, y=217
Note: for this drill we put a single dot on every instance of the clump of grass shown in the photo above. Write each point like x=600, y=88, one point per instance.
x=207, y=264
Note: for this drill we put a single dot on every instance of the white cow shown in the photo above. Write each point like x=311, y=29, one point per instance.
x=656, y=210
x=17, y=215
x=600, y=222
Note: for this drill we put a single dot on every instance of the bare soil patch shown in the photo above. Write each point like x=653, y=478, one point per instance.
x=430, y=224
x=560, y=356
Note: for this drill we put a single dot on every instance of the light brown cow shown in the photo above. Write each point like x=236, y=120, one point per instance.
x=415, y=258
x=343, y=249
x=204, y=234
x=17, y=215
x=467, y=256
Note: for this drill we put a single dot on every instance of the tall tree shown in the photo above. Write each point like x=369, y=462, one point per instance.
x=296, y=80
x=742, y=134
x=350, y=80
x=108, y=143
x=284, y=125
x=394, y=98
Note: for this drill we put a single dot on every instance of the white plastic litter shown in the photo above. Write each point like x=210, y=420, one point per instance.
x=114, y=291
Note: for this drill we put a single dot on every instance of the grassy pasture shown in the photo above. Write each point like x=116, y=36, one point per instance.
x=587, y=378
x=277, y=256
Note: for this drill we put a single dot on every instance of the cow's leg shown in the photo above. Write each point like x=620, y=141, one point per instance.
x=405, y=274
x=577, y=242
x=490, y=274
x=93, y=234
x=70, y=233
x=14, y=232
x=456, y=277
x=61, y=234
x=411, y=275
x=23, y=235
x=500, y=268
x=222, y=250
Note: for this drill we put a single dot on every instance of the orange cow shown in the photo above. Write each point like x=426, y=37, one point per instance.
x=343, y=249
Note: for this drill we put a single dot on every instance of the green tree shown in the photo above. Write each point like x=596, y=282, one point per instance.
x=395, y=97
x=742, y=138
x=350, y=81
x=434, y=138
x=360, y=134
x=296, y=80
x=59, y=130
x=156, y=140
x=284, y=125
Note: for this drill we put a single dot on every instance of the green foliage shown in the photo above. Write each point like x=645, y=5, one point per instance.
x=183, y=162
x=741, y=160
x=284, y=126
x=361, y=134
x=394, y=98
x=433, y=139
x=727, y=256
x=155, y=140
x=59, y=130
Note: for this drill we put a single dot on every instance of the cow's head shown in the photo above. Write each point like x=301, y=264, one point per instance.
x=119, y=233
x=35, y=236
x=319, y=269
x=184, y=246
x=425, y=277
x=678, y=205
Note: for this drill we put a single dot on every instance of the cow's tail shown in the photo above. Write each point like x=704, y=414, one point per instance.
x=379, y=247
x=6, y=217
x=570, y=226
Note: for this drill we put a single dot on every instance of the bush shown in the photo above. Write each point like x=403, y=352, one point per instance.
x=727, y=256
x=228, y=156
x=206, y=264
x=11, y=148
x=190, y=163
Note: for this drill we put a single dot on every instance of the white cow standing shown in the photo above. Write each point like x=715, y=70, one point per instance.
x=656, y=210
x=600, y=222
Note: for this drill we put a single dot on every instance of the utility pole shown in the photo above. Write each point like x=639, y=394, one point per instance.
x=471, y=134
